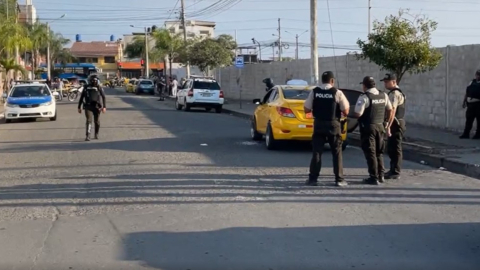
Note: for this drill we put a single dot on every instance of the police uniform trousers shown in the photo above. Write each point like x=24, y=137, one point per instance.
x=373, y=146
x=319, y=139
x=92, y=113
x=473, y=112
x=394, y=146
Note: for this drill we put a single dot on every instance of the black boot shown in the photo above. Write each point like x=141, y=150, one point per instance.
x=96, y=136
x=465, y=136
x=97, y=130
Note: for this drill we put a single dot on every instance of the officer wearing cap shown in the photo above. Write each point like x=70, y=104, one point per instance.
x=371, y=108
x=94, y=102
x=396, y=127
x=472, y=103
x=327, y=104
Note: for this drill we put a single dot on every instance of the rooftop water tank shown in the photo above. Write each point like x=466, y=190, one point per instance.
x=78, y=38
x=112, y=38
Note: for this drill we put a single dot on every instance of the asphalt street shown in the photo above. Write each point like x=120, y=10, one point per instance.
x=175, y=190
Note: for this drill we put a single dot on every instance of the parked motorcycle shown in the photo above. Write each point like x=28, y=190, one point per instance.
x=75, y=93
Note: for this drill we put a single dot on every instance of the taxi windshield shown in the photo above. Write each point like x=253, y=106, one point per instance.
x=30, y=91
x=298, y=94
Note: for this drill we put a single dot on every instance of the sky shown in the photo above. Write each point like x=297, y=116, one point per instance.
x=97, y=20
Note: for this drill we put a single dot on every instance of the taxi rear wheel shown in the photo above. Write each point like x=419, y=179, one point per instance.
x=253, y=131
x=270, y=141
x=344, y=145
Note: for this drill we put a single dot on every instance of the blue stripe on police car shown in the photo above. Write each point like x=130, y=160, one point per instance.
x=28, y=100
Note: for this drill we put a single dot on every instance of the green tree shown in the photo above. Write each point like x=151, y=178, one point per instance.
x=172, y=45
x=12, y=36
x=8, y=65
x=39, y=36
x=136, y=48
x=212, y=53
x=401, y=45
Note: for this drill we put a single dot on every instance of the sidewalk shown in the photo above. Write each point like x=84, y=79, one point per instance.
x=437, y=148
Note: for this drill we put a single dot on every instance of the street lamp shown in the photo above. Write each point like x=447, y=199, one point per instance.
x=259, y=48
x=147, y=70
x=296, y=41
x=49, y=71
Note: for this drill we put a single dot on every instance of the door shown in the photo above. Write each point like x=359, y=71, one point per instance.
x=262, y=114
x=183, y=92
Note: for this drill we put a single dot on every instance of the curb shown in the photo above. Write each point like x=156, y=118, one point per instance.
x=410, y=152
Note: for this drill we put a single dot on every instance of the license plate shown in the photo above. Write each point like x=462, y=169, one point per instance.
x=309, y=115
x=206, y=95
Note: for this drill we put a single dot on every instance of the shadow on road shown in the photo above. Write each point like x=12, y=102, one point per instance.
x=417, y=246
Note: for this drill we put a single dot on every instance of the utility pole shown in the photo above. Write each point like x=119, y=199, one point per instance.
x=279, y=42
x=296, y=50
x=147, y=69
x=49, y=71
x=313, y=42
x=273, y=52
x=184, y=24
x=369, y=20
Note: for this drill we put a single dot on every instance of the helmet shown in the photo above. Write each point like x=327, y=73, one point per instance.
x=268, y=81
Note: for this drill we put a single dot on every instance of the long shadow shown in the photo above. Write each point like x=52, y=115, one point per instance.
x=435, y=246
x=220, y=189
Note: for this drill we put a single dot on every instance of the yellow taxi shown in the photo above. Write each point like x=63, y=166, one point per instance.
x=130, y=86
x=280, y=116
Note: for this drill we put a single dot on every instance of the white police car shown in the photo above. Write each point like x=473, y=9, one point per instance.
x=30, y=100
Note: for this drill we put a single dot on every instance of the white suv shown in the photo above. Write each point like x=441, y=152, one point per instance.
x=201, y=93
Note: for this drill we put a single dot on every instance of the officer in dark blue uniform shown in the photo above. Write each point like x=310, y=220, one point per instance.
x=371, y=109
x=472, y=103
x=94, y=102
x=327, y=104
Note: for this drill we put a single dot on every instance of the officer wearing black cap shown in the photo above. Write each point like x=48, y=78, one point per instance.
x=472, y=103
x=396, y=127
x=327, y=104
x=94, y=102
x=371, y=109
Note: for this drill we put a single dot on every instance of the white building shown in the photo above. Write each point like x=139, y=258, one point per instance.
x=194, y=28
x=28, y=13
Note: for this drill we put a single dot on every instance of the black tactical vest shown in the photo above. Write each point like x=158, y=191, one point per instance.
x=473, y=90
x=400, y=113
x=326, y=111
x=375, y=113
x=93, y=95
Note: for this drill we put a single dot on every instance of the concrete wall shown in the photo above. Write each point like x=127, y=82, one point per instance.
x=434, y=98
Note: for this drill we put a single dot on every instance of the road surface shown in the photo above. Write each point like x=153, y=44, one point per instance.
x=174, y=190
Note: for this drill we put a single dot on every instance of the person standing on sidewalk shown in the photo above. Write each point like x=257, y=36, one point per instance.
x=472, y=103
x=327, y=104
x=370, y=109
x=396, y=127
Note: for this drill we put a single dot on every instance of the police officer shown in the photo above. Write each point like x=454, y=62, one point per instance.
x=94, y=102
x=396, y=128
x=268, y=83
x=371, y=108
x=327, y=104
x=472, y=103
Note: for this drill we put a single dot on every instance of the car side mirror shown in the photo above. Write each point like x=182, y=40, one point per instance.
x=4, y=95
x=257, y=101
x=55, y=94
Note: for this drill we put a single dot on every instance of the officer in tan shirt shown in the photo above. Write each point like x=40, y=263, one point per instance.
x=327, y=105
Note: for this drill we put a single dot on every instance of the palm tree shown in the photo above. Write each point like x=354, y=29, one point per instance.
x=172, y=45
x=13, y=36
x=39, y=35
x=10, y=65
x=136, y=48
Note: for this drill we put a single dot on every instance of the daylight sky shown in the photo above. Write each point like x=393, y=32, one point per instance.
x=96, y=20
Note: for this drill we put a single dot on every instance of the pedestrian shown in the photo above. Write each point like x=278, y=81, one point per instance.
x=397, y=126
x=327, y=104
x=174, y=87
x=471, y=101
x=94, y=102
x=161, y=88
x=371, y=108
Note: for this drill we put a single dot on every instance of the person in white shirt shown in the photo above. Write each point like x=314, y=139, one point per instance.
x=174, y=87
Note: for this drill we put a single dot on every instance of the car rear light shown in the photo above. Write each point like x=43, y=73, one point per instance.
x=221, y=94
x=190, y=93
x=285, y=112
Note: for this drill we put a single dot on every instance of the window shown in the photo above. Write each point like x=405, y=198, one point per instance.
x=210, y=85
x=273, y=96
x=94, y=60
x=146, y=82
x=30, y=91
x=172, y=30
x=204, y=32
x=297, y=94
x=180, y=27
x=110, y=59
x=82, y=59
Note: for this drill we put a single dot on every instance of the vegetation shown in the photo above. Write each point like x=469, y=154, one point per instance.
x=29, y=40
x=401, y=45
